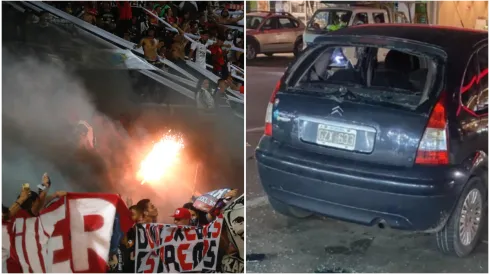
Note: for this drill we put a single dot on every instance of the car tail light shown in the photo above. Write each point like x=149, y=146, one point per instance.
x=433, y=148
x=268, y=113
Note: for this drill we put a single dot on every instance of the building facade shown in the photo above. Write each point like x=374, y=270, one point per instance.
x=467, y=14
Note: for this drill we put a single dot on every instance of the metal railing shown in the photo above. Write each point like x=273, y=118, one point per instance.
x=107, y=37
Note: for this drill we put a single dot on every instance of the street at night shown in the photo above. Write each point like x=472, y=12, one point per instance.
x=276, y=243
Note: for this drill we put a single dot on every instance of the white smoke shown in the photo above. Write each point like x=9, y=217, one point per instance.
x=38, y=100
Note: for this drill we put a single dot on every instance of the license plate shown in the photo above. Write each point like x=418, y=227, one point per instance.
x=338, y=137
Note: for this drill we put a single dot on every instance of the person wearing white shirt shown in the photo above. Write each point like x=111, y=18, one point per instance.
x=200, y=48
x=229, y=43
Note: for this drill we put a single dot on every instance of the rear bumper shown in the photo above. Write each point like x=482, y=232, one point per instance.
x=408, y=203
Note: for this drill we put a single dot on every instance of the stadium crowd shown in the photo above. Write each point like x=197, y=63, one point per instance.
x=174, y=30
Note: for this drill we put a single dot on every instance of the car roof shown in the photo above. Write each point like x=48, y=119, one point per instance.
x=258, y=14
x=270, y=14
x=351, y=8
x=441, y=36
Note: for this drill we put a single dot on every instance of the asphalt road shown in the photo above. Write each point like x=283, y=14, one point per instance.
x=276, y=243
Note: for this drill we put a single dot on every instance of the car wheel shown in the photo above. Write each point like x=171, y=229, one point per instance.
x=462, y=232
x=289, y=210
x=269, y=54
x=298, y=47
x=252, y=51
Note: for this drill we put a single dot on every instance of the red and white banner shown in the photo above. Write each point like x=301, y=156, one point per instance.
x=164, y=248
x=72, y=235
x=234, y=6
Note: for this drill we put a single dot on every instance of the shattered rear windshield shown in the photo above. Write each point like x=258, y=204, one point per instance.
x=380, y=74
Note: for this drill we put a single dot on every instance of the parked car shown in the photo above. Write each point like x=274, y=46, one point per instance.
x=270, y=33
x=384, y=125
x=326, y=20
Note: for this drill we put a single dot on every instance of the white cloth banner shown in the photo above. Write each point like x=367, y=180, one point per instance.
x=163, y=248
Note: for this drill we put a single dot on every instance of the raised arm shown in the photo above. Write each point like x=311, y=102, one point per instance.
x=38, y=205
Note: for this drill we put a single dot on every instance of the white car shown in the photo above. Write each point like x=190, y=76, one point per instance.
x=324, y=20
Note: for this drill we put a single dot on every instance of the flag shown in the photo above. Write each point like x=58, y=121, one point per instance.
x=73, y=234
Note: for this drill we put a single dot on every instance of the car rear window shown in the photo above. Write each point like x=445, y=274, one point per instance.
x=328, y=20
x=382, y=74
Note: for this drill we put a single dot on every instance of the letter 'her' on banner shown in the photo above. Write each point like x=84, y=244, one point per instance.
x=170, y=248
x=72, y=235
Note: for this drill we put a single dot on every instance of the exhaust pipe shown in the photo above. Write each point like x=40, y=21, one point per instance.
x=382, y=224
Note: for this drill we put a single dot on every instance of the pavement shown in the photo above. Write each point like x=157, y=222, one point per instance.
x=276, y=243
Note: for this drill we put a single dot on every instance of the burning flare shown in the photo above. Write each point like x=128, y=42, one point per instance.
x=164, y=154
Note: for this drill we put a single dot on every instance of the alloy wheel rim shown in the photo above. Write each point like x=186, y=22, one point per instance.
x=470, y=218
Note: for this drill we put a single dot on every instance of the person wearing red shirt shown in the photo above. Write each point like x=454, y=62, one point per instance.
x=169, y=17
x=125, y=16
x=219, y=64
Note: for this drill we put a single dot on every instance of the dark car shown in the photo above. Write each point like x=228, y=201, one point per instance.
x=384, y=125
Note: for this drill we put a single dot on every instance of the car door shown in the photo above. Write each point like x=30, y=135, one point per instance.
x=289, y=33
x=269, y=36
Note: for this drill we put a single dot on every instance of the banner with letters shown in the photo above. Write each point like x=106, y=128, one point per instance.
x=73, y=234
x=164, y=248
x=235, y=223
x=207, y=201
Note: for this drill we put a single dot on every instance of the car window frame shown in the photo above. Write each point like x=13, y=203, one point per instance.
x=296, y=22
x=481, y=84
x=475, y=87
x=265, y=22
x=290, y=21
x=376, y=13
x=260, y=24
x=354, y=16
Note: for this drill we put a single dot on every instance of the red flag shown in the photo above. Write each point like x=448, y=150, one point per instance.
x=76, y=230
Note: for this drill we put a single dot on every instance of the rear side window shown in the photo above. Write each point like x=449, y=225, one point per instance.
x=474, y=91
x=286, y=23
x=295, y=23
x=395, y=72
x=360, y=19
x=379, y=18
x=474, y=88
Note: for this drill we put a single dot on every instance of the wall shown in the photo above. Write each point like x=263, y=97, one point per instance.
x=461, y=13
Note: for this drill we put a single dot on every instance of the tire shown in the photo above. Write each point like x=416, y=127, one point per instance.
x=288, y=210
x=448, y=239
x=298, y=47
x=269, y=54
x=252, y=50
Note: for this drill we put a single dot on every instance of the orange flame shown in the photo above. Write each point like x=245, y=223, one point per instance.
x=164, y=155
